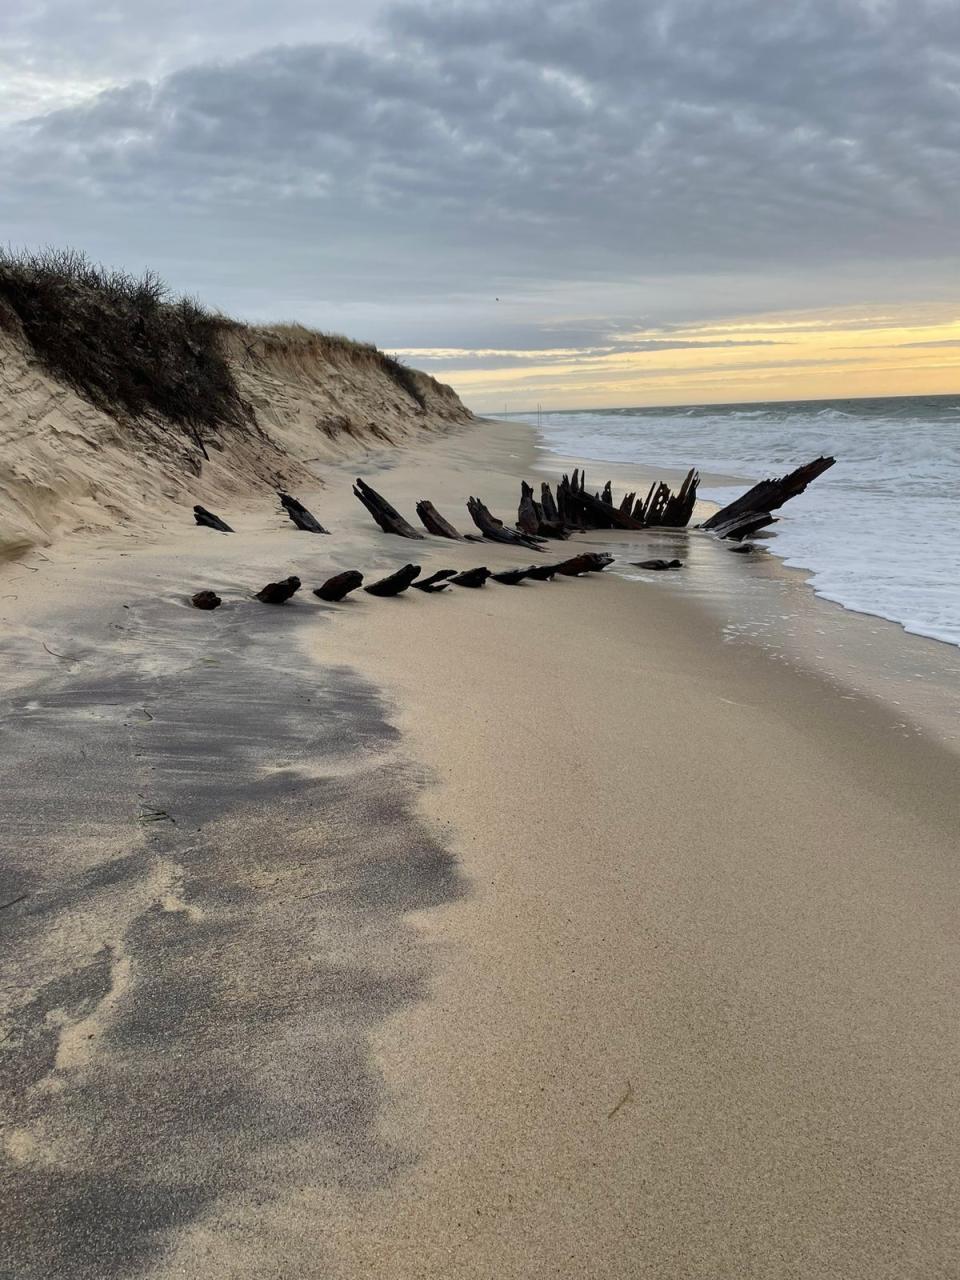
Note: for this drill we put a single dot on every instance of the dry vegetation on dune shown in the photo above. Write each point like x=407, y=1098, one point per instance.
x=335, y=347
x=123, y=341
x=126, y=343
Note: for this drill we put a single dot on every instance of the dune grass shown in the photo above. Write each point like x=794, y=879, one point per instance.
x=123, y=341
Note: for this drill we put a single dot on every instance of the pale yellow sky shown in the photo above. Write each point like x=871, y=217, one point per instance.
x=798, y=355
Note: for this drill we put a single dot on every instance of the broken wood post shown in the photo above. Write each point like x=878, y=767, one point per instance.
x=388, y=518
x=679, y=507
x=300, y=516
x=279, y=592
x=206, y=600
x=751, y=511
x=339, y=586
x=396, y=582
x=435, y=523
x=493, y=528
x=550, y=513
x=472, y=577
x=527, y=519
x=436, y=582
x=208, y=519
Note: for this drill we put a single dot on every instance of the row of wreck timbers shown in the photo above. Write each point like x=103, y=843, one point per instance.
x=575, y=509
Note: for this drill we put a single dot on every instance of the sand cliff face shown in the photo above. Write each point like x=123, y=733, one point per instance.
x=68, y=466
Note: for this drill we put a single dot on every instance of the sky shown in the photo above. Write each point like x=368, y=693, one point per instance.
x=567, y=202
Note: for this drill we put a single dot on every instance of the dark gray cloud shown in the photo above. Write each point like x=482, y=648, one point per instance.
x=548, y=153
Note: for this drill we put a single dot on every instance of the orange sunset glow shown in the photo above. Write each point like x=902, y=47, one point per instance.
x=786, y=356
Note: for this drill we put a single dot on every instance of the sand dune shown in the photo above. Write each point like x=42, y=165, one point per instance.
x=68, y=467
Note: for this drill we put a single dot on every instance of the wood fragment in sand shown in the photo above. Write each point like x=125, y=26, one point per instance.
x=395, y=582
x=436, y=581
x=387, y=517
x=206, y=600
x=339, y=586
x=279, y=592
x=435, y=523
x=472, y=577
x=209, y=520
x=300, y=516
x=493, y=528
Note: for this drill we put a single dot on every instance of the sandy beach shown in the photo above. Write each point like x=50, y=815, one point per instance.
x=529, y=931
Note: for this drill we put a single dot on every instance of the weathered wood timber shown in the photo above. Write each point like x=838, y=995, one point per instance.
x=388, y=518
x=657, y=564
x=680, y=505
x=436, y=582
x=752, y=510
x=588, y=562
x=532, y=517
x=744, y=525
x=300, y=516
x=548, y=505
x=541, y=572
x=510, y=577
x=339, y=586
x=528, y=518
x=279, y=592
x=493, y=528
x=594, y=513
x=435, y=523
x=395, y=582
x=472, y=577
x=206, y=600
x=209, y=520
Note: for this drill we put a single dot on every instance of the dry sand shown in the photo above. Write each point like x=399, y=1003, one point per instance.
x=688, y=1009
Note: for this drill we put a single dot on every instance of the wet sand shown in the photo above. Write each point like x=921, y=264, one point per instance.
x=562, y=937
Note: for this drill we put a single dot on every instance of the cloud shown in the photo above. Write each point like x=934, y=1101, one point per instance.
x=532, y=151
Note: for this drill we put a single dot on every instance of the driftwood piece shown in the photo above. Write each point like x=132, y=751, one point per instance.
x=396, y=582
x=388, y=518
x=472, y=577
x=493, y=528
x=435, y=523
x=339, y=586
x=751, y=511
x=279, y=592
x=206, y=600
x=300, y=516
x=209, y=520
x=510, y=577
x=436, y=582
x=658, y=564
x=589, y=562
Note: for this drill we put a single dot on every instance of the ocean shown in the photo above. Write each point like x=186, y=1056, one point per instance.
x=879, y=533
